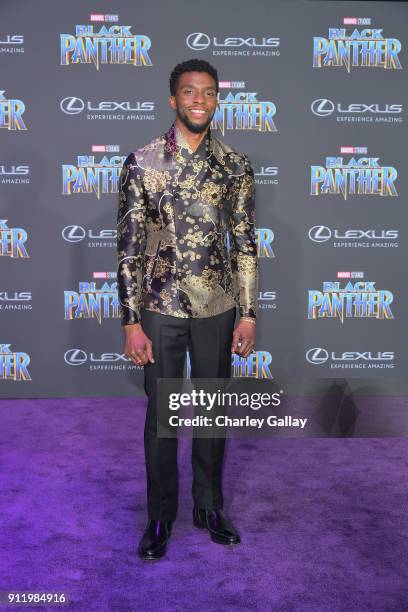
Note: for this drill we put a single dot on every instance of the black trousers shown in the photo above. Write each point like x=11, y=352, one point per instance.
x=209, y=342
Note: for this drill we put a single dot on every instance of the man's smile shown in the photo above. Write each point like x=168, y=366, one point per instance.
x=197, y=112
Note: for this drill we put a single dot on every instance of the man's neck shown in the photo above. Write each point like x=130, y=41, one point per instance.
x=193, y=140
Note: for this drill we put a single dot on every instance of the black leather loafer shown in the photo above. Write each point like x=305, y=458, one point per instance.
x=221, y=530
x=153, y=544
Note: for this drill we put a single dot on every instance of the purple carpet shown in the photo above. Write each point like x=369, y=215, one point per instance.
x=324, y=522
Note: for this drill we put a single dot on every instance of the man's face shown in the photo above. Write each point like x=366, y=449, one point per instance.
x=195, y=100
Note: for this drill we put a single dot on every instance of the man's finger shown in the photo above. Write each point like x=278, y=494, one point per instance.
x=236, y=339
x=149, y=352
x=138, y=356
x=244, y=345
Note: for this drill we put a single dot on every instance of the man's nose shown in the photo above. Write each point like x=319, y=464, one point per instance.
x=199, y=97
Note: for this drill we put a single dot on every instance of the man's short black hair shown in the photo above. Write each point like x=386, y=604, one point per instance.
x=193, y=65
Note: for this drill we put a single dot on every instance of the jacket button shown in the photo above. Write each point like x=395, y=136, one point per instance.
x=176, y=195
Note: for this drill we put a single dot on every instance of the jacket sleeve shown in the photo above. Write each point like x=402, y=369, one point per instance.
x=131, y=241
x=244, y=242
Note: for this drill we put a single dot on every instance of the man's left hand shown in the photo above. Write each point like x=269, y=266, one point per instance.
x=243, y=339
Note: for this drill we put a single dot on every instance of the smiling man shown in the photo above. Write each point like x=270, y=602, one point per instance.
x=187, y=259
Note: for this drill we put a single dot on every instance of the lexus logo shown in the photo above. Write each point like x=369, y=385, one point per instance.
x=72, y=105
x=73, y=233
x=197, y=41
x=317, y=356
x=322, y=107
x=75, y=357
x=320, y=233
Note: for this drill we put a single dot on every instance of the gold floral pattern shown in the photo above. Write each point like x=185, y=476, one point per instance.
x=154, y=180
x=212, y=193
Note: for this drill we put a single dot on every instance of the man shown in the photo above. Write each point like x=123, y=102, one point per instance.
x=179, y=285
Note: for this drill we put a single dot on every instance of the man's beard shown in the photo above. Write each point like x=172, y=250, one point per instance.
x=194, y=127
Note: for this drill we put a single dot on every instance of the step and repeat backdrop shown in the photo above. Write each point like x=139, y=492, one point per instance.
x=315, y=93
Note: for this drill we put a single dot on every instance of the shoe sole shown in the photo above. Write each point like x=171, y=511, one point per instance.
x=159, y=554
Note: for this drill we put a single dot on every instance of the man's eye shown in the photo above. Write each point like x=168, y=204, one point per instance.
x=210, y=93
x=188, y=91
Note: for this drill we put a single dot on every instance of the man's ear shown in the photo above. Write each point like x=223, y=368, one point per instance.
x=172, y=102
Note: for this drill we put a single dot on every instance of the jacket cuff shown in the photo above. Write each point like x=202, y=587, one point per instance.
x=128, y=316
x=248, y=313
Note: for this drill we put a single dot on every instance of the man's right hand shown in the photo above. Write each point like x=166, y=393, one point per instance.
x=138, y=347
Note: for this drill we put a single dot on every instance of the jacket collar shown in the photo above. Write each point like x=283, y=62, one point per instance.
x=175, y=142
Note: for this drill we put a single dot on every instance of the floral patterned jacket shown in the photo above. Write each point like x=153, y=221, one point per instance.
x=186, y=230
